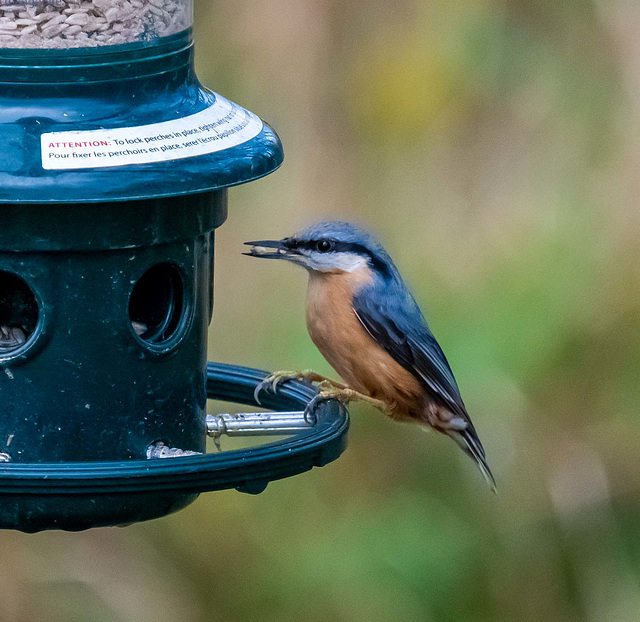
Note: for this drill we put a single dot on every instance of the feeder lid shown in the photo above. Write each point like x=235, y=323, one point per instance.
x=121, y=123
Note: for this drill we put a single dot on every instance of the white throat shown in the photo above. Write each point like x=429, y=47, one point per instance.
x=336, y=262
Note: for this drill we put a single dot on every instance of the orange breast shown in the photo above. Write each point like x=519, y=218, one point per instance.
x=361, y=362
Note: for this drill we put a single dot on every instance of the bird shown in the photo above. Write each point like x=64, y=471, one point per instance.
x=367, y=324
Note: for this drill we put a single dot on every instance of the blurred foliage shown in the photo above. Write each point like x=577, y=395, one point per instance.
x=493, y=145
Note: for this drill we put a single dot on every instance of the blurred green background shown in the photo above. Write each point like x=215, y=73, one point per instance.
x=494, y=146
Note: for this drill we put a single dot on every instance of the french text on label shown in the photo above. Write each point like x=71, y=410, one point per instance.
x=221, y=126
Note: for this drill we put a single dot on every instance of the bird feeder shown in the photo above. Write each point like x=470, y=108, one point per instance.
x=114, y=169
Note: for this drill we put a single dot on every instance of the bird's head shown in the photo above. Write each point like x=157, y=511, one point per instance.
x=331, y=247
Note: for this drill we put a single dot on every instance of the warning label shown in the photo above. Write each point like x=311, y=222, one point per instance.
x=222, y=125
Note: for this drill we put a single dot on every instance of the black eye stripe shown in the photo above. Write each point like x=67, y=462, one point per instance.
x=337, y=247
x=341, y=247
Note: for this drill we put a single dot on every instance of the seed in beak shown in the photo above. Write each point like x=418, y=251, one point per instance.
x=258, y=251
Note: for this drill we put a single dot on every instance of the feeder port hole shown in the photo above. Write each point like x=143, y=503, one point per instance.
x=157, y=308
x=18, y=313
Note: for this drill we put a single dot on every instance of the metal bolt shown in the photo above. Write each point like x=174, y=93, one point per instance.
x=258, y=424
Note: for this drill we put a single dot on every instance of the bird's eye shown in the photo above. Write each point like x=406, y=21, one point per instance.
x=324, y=246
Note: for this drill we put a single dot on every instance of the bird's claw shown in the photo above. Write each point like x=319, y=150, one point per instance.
x=309, y=409
x=258, y=390
x=272, y=381
x=327, y=392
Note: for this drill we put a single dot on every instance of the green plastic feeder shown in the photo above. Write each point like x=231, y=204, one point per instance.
x=114, y=169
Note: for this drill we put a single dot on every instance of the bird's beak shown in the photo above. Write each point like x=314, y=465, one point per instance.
x=262, y=248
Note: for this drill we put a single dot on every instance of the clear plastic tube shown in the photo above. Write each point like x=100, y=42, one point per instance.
x=61, y=24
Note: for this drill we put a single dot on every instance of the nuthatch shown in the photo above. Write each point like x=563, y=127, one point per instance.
x=366, y=323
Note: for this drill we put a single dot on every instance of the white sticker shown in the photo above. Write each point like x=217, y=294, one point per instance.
x=222, y=125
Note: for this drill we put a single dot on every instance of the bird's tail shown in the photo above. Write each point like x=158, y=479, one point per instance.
x=469, y=442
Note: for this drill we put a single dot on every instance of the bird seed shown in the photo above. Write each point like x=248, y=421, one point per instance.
x=60, y=24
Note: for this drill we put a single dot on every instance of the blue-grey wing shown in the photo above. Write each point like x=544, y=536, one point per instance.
x=394, y=321
x=392, y=317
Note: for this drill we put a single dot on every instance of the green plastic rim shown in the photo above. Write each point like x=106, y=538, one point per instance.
x=247, y=470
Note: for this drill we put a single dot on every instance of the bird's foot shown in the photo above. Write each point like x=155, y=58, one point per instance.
x=345, y=395
x=272, y=381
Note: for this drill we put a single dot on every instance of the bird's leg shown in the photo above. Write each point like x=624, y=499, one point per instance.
x=307, y=375
x=345, y=395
